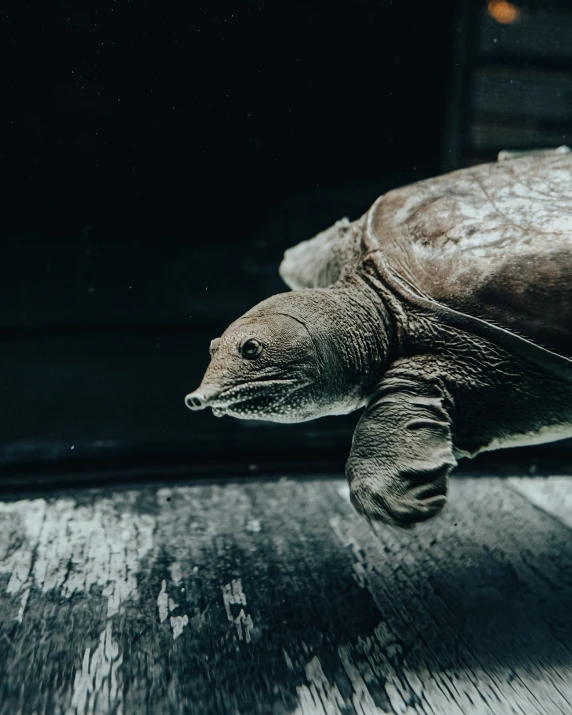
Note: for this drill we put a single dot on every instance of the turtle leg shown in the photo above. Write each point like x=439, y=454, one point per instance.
x=402, y=454
x=320, y=261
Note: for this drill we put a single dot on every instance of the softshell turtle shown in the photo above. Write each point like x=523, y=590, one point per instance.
x=445, y=311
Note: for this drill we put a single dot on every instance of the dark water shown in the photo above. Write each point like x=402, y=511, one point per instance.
x=157, y=159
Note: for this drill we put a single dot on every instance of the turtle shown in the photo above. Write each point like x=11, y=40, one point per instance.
x=444, y=312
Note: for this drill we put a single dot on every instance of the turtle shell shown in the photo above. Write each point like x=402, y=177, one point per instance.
x=492, y=241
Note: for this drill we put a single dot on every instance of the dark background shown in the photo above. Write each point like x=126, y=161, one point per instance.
x=157, y=159
x=141, y=133
x=157, y=121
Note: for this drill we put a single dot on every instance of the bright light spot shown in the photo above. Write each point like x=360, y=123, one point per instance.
x=503, y=12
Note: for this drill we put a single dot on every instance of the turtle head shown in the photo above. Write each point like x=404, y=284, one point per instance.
x=264, y=366
x=277, y=362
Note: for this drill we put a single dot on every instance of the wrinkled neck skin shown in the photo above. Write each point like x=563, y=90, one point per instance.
x=353, y=336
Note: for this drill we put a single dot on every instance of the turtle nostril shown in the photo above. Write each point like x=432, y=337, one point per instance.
x=204, y=396
x=195, y=401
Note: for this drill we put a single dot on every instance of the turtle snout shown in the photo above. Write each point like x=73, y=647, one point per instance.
x=199, y=399
x=195, y=401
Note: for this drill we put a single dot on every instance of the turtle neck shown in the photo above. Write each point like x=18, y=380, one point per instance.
x=352, y=333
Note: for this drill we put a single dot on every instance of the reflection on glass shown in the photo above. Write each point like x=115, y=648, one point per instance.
x=503, y=12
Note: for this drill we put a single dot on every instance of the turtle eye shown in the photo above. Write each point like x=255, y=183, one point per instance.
x=251, y=348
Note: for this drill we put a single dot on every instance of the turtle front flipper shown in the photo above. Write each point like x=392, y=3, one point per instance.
x=322, y=260
x=402, y=454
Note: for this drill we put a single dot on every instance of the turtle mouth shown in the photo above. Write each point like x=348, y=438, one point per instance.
x=260, y=396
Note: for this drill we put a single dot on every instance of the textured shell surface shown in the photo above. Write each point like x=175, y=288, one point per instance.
x=493, y=241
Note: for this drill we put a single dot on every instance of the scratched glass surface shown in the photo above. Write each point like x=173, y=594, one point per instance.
x=157, y=160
